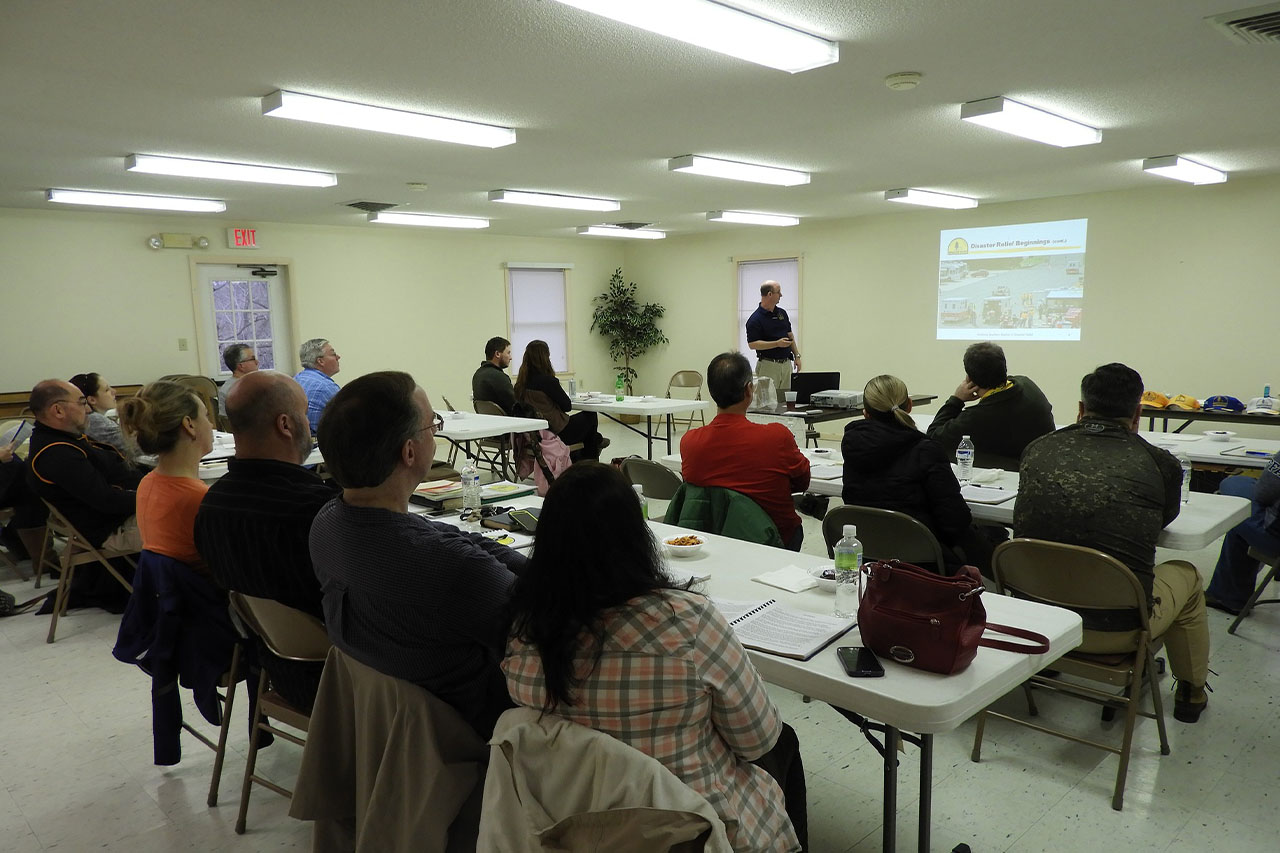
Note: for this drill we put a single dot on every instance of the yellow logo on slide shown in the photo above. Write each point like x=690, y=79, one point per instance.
x=958, y=246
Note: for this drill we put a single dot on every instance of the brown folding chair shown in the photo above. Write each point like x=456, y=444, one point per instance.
x=885, y=534
x=289, y=634
x=453, y=446
x=78, y=552
x=659, y=482
x=1080, y=578
x=687, y=379
x=1272, y=562
x=494, y=453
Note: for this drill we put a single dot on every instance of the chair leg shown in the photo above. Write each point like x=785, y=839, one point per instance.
x=64, y=591
x=1253, y=599
x=228, y=705
x=46, y=542
x=1157, y=705
x=1133, y=693
x=253, y=756
x=1032, y=710
x=976, y=755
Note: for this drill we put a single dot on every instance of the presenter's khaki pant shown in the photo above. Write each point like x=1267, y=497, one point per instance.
x=779, y=372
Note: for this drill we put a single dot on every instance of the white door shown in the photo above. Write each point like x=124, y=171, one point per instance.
x=234, y=306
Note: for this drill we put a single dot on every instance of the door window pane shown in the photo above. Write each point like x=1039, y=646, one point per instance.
x=242, y=315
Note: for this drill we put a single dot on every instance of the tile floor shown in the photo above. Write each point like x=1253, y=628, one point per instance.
x=76, y=771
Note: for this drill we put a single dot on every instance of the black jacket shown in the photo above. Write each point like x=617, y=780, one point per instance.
x=492, y=383
x=890, y=466
x=1001, y=426
x=88, y=481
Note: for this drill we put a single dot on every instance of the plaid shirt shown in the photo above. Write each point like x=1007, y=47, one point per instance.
x=320, y=390
x=674, y=682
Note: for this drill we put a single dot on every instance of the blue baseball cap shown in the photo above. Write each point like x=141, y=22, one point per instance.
x=1223, y=403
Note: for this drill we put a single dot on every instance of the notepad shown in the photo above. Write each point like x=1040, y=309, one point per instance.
x=767, y=626
x=987, y=494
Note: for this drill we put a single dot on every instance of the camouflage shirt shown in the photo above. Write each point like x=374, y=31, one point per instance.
x=1098, y=484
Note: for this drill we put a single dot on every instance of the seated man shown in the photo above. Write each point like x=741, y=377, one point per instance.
x=761, y=461
x=1237, y=573
x=1011, y=412
x=87, y=481
x=412, y=598
x=1097, y=484
x=253, y=524
x=490, y=381
x=241, y=361
x=319, y=364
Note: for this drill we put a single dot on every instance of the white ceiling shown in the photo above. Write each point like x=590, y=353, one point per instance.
x=599, y=107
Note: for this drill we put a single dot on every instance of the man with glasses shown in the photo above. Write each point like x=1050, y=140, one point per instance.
x=241, y=361
x=88, y=481
x=319, y=366
x=412, y=598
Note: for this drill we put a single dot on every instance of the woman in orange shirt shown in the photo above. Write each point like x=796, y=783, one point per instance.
x=168, y=420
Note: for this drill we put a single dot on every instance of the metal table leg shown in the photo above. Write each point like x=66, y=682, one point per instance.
x=926, y=790
x=889, y=833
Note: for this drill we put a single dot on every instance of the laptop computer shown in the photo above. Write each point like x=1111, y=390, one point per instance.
x=806, y=384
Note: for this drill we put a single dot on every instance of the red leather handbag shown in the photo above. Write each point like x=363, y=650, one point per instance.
x=931, y=622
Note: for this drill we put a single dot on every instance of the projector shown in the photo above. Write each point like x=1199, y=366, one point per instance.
x=836, y=399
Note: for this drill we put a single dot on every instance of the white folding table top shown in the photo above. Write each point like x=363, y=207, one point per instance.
x=651, y=406
x=469, y=426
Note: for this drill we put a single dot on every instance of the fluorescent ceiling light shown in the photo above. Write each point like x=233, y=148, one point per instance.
x=615, y=231
x=748, y=218
x=930, y=199
x=187, y=168
x=720, y=28
x=699, y=165
x=427, y=220
x=571, y=202
x=1029, y=122
x=1182, y=169
x=283, y=104
x=143, y=202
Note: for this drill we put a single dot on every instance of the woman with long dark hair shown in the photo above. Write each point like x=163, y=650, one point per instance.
x=601, y=636
x=537, y=387
x=99, y=427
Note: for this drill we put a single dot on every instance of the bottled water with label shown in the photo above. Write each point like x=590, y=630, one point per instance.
x=848, y=573
x=644, y=502
x=1185, y=461
x=618, y=388
x=964, y=460
x=470, y=496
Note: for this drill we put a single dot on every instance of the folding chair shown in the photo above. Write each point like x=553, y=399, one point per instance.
x=885, y=534
x=659, y=483
x=1080, y=578
x=687, y=379
x=78, y=552
x=5, y=556
x=494, y=453
x=1272, y=562
x=291, y=635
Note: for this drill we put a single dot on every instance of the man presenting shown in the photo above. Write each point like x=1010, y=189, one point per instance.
x=1011, y=412
x=490, y=381
x=319, y=365
x=761, y=461
x=253, y=524
x=1097, y=484
x=241, y=361
x=412, y=598
x=769, y=333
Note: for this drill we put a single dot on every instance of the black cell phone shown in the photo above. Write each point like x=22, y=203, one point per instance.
x=860, y=662
x=527, y=519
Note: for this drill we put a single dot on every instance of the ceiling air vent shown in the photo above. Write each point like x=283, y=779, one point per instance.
x=371, y=206
x=1256, y=25
x=632, y=226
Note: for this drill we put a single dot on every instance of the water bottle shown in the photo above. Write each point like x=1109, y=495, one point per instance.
x=1185, y=461
x=848, y=573
x=644, y=502
x=573, y=387
x=470, y=496
x=964, y=460
x=617, y=389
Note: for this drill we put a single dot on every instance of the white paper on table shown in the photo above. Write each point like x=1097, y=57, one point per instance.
x=826, y=472
x=790, y=578
x=987, y=494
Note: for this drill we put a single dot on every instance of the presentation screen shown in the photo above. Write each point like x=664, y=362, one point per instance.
x=1012, y=282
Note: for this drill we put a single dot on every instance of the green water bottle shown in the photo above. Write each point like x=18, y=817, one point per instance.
x=617, y=389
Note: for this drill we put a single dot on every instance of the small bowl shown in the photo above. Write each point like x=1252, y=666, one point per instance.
x=1219, y=434
x=684, y=550
x=824, y=584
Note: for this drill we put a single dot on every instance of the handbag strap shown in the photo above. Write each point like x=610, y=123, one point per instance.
x=1041, y=641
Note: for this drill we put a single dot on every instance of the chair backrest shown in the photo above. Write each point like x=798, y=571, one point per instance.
x=447, y=404
x=658, y=481
x=204, y=387
x=885, y=534
x=488, y=407
x=288, y=633
x=1069, y=576
x=686, y=379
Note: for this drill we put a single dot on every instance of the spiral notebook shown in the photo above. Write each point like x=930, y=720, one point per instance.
x=767, y=626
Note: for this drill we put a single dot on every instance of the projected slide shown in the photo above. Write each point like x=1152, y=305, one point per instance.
x=1012, y=282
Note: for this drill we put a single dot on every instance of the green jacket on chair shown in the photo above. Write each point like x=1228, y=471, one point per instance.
x=722, y=511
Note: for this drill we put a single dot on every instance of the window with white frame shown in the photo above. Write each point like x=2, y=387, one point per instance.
x=242, y=315
x=537, y=310
x=752, y=274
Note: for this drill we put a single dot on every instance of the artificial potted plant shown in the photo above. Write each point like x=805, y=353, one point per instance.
x=630, y=326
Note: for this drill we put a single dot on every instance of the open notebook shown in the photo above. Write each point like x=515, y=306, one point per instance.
x=767, y=626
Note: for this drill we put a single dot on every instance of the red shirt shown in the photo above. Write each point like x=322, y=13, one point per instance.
x=761, y=461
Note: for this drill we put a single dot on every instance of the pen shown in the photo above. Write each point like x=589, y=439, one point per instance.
x=1256, y=453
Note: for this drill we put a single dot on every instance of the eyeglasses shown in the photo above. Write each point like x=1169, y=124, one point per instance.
x=437, y=424
x=253, y=358
x=83, y=401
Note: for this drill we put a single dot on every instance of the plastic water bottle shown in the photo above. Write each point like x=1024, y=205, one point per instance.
x=470, y=496
x=617, y=389
x=644, y=502
x=1185, y=461
x=573, y=387
x=848, y=573
x=964, y=460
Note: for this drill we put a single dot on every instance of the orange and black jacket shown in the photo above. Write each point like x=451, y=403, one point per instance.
x=89, y=482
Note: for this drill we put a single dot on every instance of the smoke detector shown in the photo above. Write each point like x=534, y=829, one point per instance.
x=903, y=80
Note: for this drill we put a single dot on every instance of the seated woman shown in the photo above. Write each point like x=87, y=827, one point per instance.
x=538, y=388
x=168, y=420
x=890, y=464
x=102, y=399
x=602, y=637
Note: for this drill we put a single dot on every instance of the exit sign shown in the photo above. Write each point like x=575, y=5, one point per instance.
x=242, y=238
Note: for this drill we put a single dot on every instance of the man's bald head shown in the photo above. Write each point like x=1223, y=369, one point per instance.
x=59, y=404
x=268, y=414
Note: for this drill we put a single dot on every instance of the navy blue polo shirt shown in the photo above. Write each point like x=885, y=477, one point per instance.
x=772, y=325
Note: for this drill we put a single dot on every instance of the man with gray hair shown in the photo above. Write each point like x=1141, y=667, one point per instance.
x=319, y=363
x=241, y=360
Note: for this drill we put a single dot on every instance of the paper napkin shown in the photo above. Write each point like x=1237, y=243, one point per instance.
x=790, y=578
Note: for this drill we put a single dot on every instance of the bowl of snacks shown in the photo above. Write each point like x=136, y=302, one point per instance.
x=683, y=546
x=1219, y=434
x=825, y=576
